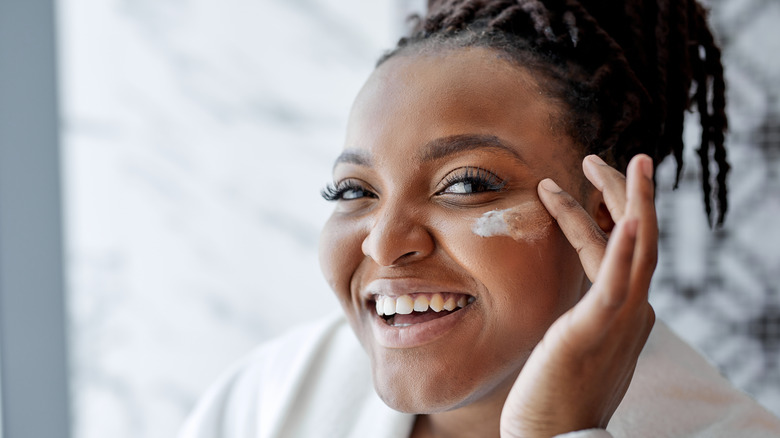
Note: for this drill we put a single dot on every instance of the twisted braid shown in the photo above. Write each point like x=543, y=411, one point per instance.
x=624, y=70
x=709, y=79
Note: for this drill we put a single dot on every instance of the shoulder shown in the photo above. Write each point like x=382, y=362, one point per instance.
x=313, y=381
x=249, y=398
x=675, y=391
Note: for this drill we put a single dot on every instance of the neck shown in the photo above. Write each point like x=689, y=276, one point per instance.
x=478, y=419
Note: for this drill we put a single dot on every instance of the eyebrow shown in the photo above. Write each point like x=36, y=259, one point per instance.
x=354, y=156
x=445, y=146
x=437, y=149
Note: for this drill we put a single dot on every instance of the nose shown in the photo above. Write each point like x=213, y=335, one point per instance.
x=397, y=237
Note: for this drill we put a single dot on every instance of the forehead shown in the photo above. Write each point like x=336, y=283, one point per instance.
x=412, y=100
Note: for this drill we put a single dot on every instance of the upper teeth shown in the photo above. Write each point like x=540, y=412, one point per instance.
x=405, y=304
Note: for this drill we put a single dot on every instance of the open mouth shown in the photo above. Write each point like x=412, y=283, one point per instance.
x=407, y=310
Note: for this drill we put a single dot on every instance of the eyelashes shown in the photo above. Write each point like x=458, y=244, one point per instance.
x=462, y=181
x=472, y=180
x=330, y=193
x=345, y=190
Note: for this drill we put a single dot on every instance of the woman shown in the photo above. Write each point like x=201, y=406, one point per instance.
x=486, y=248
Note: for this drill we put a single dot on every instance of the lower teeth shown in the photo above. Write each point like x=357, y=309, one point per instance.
x=390, y=320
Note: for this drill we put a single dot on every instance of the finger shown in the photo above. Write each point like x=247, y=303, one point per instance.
x=577, y=225
x=641, y=205
x=614, y=278
x=610, y=182
x=604, y=301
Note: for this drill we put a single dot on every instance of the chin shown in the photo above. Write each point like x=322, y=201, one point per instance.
x=416, y=401
x=428, y=390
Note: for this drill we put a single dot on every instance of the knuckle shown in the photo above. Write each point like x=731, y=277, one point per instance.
x=618, y=211
x=568, y=202
x=617, y=180
x=591, y=235
x=596, y=235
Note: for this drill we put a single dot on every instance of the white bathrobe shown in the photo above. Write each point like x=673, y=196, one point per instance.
x=316, y=382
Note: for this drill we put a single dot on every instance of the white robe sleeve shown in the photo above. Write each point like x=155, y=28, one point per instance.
x=316, y=382
x=313, y=382
x=254, y=396
x=588, y=433
x=676, y=392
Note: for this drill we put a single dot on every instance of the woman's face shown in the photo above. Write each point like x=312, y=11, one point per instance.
x=433, y=143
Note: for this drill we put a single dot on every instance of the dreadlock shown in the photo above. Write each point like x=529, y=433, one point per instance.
x=626, y=70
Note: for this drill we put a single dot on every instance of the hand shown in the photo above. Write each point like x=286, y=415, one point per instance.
x=579, y=372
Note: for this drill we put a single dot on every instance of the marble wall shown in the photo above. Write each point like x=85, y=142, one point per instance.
x=197, y=135
x=720, y=290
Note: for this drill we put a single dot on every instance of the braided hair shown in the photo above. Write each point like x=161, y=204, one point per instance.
x=626, y=70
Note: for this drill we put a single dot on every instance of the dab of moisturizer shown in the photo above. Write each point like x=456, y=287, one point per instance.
x=529, y=221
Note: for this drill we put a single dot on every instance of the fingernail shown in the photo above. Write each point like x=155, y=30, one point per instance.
x=647, y=168
x=550, y=185
x=597, y=160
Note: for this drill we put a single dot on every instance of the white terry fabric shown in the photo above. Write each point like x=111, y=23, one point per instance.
x=590, y=433
x=316, y=382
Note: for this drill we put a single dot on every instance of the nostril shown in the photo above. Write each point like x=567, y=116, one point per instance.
x=392, y=242
x=408, y=257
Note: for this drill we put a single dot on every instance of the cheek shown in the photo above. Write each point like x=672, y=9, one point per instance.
x=340, y=255
x=529, y=283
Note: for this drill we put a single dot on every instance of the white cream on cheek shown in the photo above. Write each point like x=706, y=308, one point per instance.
x=529, y=221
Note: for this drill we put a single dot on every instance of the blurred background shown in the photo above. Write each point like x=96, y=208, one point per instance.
x=194, y=137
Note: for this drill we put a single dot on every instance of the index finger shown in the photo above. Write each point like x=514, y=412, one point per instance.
x=640, y=203
x=610, y=182
x=577, y=225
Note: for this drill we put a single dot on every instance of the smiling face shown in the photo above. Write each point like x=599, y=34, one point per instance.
x=433, y=143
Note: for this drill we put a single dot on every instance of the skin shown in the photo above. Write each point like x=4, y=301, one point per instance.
x=411, y=218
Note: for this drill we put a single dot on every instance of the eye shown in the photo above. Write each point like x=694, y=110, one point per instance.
x=346, y=190
x=472, y=180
